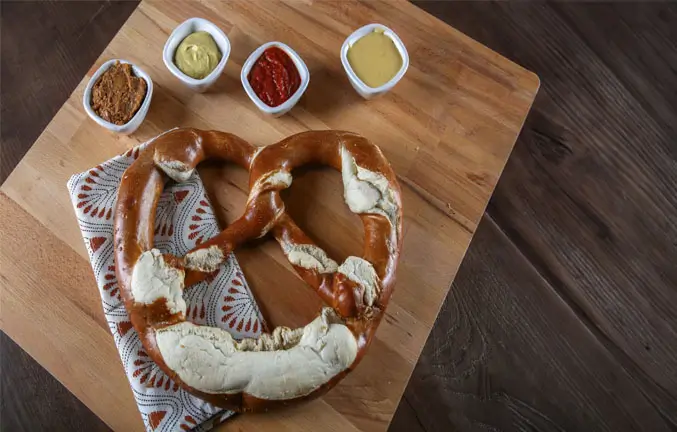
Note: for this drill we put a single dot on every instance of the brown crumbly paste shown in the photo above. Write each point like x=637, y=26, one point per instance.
x=117, y=95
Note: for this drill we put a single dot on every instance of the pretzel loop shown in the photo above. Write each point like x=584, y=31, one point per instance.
x=289, y=364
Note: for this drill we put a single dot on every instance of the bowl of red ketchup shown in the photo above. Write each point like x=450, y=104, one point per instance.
x=274, y=77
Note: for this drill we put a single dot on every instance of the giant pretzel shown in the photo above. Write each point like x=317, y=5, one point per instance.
x=289, y=364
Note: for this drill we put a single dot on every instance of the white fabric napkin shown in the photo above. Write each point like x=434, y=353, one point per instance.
x=184, y=219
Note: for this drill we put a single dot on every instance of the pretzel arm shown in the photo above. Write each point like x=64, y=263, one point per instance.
x=298, y=247
x=206, y=258
x=379, y=250
x=260, y=215
x=178, y=152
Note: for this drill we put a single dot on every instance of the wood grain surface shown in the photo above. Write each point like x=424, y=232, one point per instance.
x=40, y=66
x=448, y=129
x=39, y=70
x=562, y=316
x=460, y=384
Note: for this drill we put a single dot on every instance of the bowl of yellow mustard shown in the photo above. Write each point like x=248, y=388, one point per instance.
x=375, y=59
x=196, y=53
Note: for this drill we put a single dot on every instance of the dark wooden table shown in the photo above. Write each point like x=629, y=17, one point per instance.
x=564, y=313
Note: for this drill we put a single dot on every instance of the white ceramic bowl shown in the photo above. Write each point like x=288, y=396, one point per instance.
x=187, y=27
x=136, y=121
x=304, y=74
x=364, y=90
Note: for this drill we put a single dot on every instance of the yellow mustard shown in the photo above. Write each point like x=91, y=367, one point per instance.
x=197, y=55
x=375, y=58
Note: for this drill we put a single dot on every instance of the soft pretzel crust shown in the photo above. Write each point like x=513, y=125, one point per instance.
x=287, y=365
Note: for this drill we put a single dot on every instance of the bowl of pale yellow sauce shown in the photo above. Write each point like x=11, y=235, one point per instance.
x=375, y=59
x=196, y=53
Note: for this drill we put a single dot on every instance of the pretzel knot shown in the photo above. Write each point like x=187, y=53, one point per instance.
x=289, y=364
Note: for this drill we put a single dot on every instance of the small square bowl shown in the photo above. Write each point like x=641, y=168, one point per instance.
x=132, y=125
x=187, y=27
x=304, y=74
x=364, y=90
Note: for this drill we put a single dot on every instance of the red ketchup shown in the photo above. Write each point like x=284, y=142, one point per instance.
x=274, y=77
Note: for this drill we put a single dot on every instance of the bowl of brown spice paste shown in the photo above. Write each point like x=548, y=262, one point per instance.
x=118, y=96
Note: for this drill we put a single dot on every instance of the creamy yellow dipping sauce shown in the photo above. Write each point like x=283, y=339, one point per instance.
x=197, y=55
x=375, y=58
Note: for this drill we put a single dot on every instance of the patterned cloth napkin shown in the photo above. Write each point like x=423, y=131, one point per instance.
x=184, y=219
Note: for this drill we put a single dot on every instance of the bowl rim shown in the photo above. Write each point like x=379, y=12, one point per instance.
x=167, y=56
x=360, y=33
x=301, y=67
x=140, y=113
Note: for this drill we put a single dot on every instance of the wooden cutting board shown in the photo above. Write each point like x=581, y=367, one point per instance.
x=448, y=128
